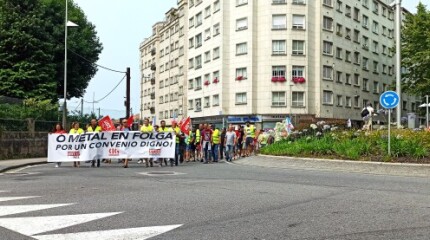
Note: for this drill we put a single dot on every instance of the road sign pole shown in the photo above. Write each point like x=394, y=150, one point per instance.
x=389, y=130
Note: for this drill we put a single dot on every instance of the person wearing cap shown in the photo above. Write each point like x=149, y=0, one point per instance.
x=249, y=140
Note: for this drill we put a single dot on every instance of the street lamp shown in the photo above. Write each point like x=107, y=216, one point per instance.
x=398, y=4
x=67, y=23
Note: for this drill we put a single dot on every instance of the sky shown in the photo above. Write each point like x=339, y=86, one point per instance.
x=121, y=26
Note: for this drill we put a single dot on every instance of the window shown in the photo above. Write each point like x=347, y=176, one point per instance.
x=207, y=11
x=190, y=63
x=384, y=30
x=216, y=53
x=181, y=51
x=215, y=100
x=199, y=40
x=375, y=7
x=191, y=42
x=216, y=75
x=375, y=27
x=375, y=87
x=241, y=48
x=161, y=99
x=160, y=115
x=298, y=99
x=356, y=58
x=298, y=71
x=299, y=1
x=365, y=21
x=190, y=84
x=279, y=21
x=241, y=24
x=356, y=101
x=327, y=23
x=339, y=29
x=298, y=21
x=356, y=15
x=198, y=102
x=356, y=37
x=198, y=61
x=348, y=102
x=375, y=66
x=207, y=77
x=375, y=47
x=216, y=29
x=241, y=2
x=207, y=56
x=357, y=79
x=365, y=86
x=348, y=11
x=339, y=76
x=339, y=53
x=327, y=48
x=207, y=34
x=278, y=47
x=207, y=102
x=339, y=6
x=366, y=3
x=181, y=90
x=241, y=98
x=348, y=33
x=327, y=97
x=198, y=83
x=279, y=1
x=339, y=100
x=327, y=72
x=199, y=19
x=365, y=63
x=191, y=22
x=161, y=84
x=347, y=56
x=278, y=71
x=298, y=47
x=278, y=99
x=384, y=69
x=328, y=3
x=241, y=73
x=216, y=6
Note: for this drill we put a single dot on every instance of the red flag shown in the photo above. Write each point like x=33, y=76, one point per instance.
x=185, y=126
x=130, y=121
x=106, y=124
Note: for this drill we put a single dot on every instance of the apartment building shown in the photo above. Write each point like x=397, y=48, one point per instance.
x=265, y=60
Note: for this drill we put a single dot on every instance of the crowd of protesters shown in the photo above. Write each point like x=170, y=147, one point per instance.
x=204, y=143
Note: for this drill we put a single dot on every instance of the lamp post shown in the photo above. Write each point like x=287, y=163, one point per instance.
x=398, y=4
x=66, y=24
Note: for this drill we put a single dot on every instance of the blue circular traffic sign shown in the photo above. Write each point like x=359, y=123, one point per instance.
x=389, y=99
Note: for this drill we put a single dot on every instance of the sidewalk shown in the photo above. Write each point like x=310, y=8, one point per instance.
x=6, y=165
x=380, y=168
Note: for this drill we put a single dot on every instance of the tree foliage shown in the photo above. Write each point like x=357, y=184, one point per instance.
x=416, y=51
x=32, y=49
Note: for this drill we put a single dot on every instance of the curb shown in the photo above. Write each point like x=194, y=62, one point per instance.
x=3, y=170
x=348, y=161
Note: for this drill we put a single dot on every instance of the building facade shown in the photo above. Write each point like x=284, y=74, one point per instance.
x=265, y=60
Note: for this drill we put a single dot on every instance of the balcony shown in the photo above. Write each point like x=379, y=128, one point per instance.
x=152, y=110
x=153, y=67
x=152, y=81
x=152, y=95
x=153, y=51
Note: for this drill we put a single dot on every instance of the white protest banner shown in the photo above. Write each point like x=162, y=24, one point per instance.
x=90, y=146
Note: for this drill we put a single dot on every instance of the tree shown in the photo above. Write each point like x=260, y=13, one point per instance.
x=416, y=52
x=26, y=56
x=83, y=47
x=32, y=49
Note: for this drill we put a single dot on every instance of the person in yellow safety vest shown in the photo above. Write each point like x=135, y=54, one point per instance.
x=146, y=127
x=250, y=135
x=76, y=130
x=94, y=127
x=163, y=128
x=179, y=137
x=215, y=143
x=198, y=143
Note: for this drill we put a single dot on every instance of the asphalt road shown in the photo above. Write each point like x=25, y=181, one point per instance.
x=213, y=201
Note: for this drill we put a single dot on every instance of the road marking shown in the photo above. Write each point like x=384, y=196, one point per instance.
x=15, y=209
x=35, y=225
x=4, y=199
x=127, y=233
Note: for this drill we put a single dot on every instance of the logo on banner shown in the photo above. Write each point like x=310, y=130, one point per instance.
x=154, y=151
x=74, y=154
x=113, y=152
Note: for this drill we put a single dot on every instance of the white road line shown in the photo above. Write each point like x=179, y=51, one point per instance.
x=15, y=209
x=125, y=234
x=4, y=199
x=35, y=225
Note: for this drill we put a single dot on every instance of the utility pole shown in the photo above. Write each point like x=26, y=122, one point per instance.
x=99, y=112
x=127, y=94
x=94, y=96
x=82, y=107
x=398, y=60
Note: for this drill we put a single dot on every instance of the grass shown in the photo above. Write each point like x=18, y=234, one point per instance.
x=406, y=146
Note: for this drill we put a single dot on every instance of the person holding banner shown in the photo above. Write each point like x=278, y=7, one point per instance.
x=76, y=130
x=94, y=127
x=146, y=128
x=163, y=128
x=58, y=130
x=125, y=128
